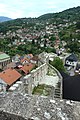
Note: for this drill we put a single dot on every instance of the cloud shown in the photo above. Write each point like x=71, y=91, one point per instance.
x=14, y=8
x=34, y=8
x=2, y=8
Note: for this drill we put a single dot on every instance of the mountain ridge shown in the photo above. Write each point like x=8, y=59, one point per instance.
x=51, y=15
x=63, y=14
x=67, y=16
x=4, y=18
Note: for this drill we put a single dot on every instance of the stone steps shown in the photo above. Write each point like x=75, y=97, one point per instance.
x=56, y=96
x=57, y=92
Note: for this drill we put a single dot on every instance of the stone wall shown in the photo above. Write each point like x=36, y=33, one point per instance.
x=60, y=78
x=35, y=77
x=37, y=108
x=8, y=116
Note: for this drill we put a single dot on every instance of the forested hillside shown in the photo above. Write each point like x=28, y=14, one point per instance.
x=69, y=15
x=35, y=35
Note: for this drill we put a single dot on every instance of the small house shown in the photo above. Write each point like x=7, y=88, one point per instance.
x=27, y=68
x=71, y=60
x=34, y=60
x=7, y=78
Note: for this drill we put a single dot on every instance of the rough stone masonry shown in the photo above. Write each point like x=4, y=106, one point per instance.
x=19, y=106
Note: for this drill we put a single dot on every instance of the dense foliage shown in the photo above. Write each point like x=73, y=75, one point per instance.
x=58, y=64
x=71, y=14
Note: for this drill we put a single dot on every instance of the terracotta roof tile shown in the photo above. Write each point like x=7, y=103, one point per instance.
x=9, y=76
x=27, y=68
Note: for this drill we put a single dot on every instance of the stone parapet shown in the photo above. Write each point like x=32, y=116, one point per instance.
x=39, y=107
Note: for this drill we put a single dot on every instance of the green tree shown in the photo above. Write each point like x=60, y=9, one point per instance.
x=58, y=64
x=78, y=25
x=49, y=50
x=53, y=38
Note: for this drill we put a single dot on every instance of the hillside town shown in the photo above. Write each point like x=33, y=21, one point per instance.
x=40, y=68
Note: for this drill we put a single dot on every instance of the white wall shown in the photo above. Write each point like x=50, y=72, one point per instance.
x=3, y=85
x=71, y=63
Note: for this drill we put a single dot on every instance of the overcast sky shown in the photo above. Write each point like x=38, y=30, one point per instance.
x=34, y=8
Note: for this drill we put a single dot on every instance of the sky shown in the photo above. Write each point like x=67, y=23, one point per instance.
x=34, y=8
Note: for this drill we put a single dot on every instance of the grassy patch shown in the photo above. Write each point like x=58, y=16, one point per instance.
x=41, y=90
x=51, y=72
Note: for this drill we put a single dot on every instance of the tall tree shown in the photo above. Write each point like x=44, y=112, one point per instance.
x=58, y=64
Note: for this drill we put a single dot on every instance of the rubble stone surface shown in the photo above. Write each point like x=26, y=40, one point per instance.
x=38, y=108
x=7, y=116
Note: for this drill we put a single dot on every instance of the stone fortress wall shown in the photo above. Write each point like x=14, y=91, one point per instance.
x=28, y=82
x=35, y=77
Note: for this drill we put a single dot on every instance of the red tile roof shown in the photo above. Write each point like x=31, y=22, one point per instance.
x=9, y=76
x=27, y=68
